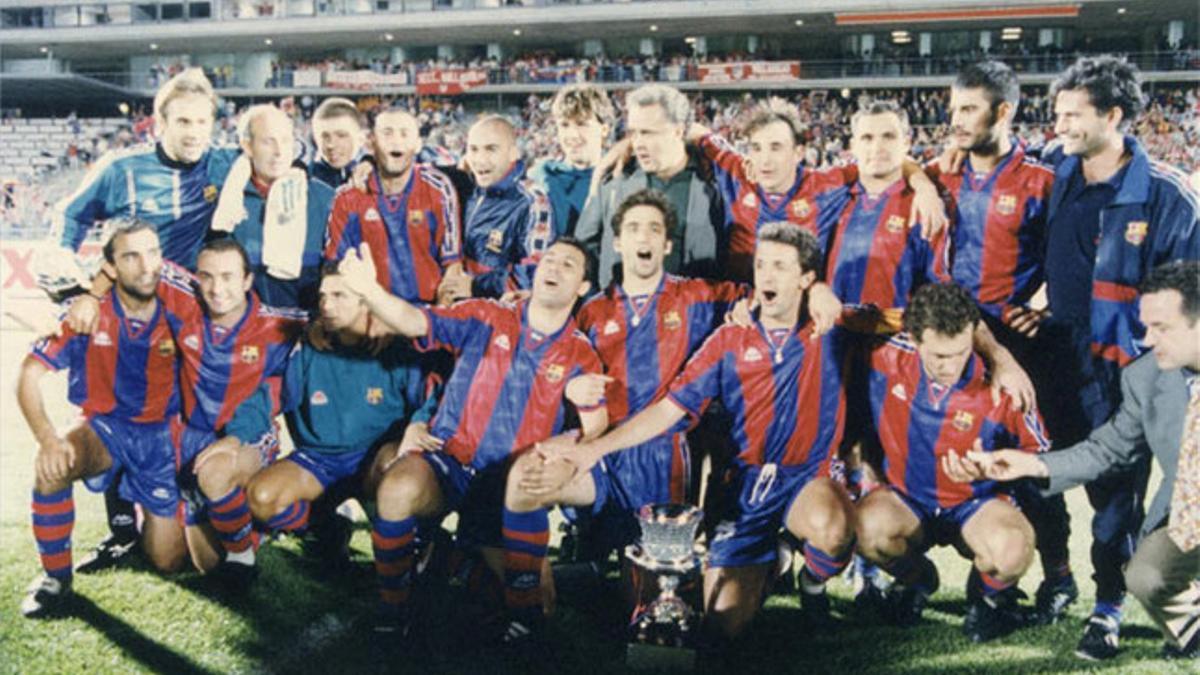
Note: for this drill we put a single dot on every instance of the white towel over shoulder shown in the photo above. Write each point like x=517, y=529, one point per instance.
x=285, y=225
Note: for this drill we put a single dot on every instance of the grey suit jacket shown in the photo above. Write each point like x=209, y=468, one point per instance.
x=704, y=227
x=1150, y=419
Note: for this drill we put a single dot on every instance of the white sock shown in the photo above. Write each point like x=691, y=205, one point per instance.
x=242, y=557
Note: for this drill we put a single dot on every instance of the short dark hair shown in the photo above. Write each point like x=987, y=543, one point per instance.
x=1110, y=81
x=947, y=308
x=120, y=227
x=648, y=197
x=790, y=234
x=995, y=78
x=1182, y=276
x=335, y=107
x=881, y=107
x=226, y=243
x=329, y=268
x=589, y=258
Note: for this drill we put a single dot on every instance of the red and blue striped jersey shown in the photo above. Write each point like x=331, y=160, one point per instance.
x=645, y=341
x=220, y=368
x=814, y=198
x=995, y=246
x=783, y=390
x=506, y=391
x=125, y=368
x=414, y=236
x=919, y=421
x=876, y=257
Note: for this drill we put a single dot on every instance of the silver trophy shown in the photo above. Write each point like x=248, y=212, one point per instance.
x=666, y=579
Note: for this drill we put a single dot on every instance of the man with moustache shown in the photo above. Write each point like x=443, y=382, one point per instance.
x=172, y=184
x=123, y=377
x=994, y=249
x=408, y=214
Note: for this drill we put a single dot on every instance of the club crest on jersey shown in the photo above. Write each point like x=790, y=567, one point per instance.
x=963, y=420
x=801, y=208
x=192, y=342
x=611, y=327
x=1135, y=232
x=1006, y=205
x=416, y=218
x=102, y=340
x=899, y=392
x=371, y=214
x=750, y=200
x=502, y=342
x=495, y=242
x=250, y=354
x=166, y=347
x=672, y=320
x=210, y=193
x=752, y=355
x=555, y=372
x=895, y=224
x=318, y=398
x=374, y=395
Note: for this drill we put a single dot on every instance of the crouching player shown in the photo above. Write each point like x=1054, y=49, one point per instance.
x=783, y=388
x=346, y=398
x=513, y=364
x=929, y=398
x=123, y=377
x=230, y=345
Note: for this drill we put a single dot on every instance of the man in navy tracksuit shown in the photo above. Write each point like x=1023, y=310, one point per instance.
x=506, y=225
x=1114, y=214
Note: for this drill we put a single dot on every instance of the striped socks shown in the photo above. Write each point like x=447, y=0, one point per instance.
x=53, y=520
x=526, y=538
x=292, y=519
x=821, y=566
x=393, y=542
x=230, y=517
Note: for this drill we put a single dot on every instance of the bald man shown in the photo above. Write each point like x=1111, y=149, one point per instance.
x=507, y=225
x=285, y=257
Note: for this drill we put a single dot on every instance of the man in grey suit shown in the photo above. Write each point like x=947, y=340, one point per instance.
x=655, y=121
x=1159, y=414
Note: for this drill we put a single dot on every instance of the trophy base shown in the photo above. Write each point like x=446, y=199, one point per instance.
x=641, y=656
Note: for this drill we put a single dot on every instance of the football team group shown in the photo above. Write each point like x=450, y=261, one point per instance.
x=871, y=359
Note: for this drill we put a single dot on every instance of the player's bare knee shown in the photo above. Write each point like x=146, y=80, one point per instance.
x=1010, y=552
x=216, y=477
x=263, y=497
x=398, y=495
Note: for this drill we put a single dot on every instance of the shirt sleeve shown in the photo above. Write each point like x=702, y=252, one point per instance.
x=340, y=216
x=92, y=201
x=700, y=380
x=448, y=234
x=58, y=352
x=453, y=327
x=252, y=419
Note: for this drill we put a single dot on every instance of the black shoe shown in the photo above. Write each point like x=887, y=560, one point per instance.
x=47, y=596
x=389, y=624
x=1100, y=638
x=1053, y=599
x=518, y=634
x=1173, y=652
x=990, y=618
x=814, y=606
x=328, y=541
x=235, y=576
x=907, y=603
x=109, y=553
x=871, y=599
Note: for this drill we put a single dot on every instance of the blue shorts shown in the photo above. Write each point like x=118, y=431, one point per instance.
x=943, y=526
x=190, y=442
x=145, y=453
x=330, y=467
x=477, y=496
x=755, y=501
x=655, y=472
